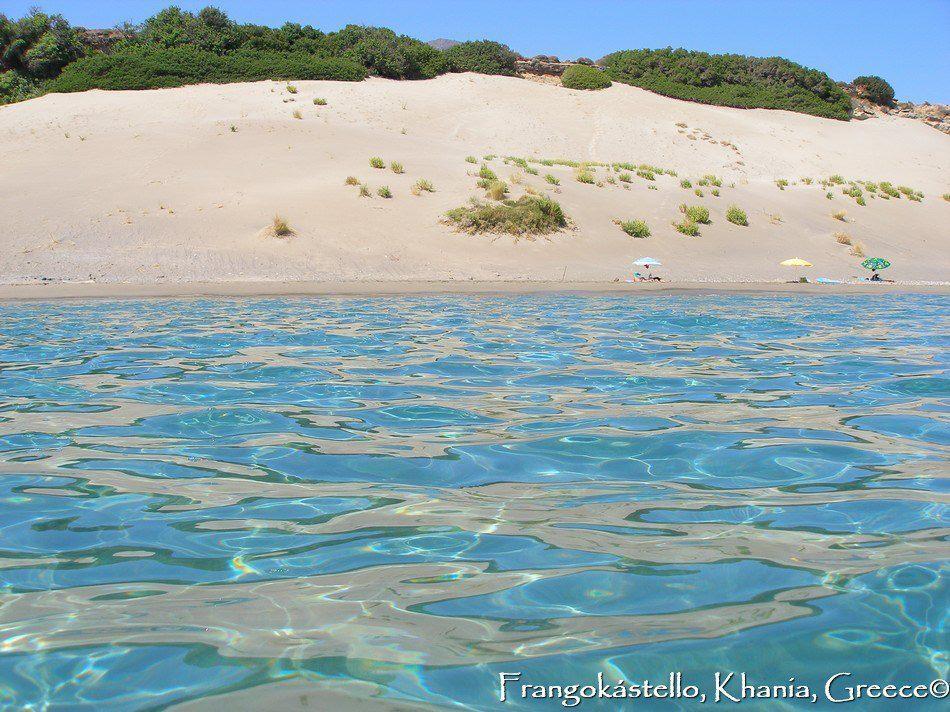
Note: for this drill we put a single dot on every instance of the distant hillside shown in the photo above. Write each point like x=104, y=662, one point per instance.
x=442, y=43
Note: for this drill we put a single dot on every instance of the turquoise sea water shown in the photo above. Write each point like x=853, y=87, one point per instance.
x=327, y=503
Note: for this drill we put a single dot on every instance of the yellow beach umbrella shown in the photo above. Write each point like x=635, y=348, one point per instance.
x=796, y=262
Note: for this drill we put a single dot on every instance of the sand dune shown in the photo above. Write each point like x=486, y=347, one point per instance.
x=155, y=187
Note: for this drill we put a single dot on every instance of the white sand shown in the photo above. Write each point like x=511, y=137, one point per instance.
x=154, y=188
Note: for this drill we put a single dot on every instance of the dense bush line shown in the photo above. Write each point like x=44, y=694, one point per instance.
x=731, y=80
x=37, y=48
x=152, y=68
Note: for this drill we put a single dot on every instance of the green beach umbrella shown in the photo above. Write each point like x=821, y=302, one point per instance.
x=875, y=263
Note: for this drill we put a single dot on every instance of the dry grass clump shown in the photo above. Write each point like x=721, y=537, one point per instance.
x=364, y=191
x=842, y=238
x=840, y=215
x=352, y=180
x=297, y=114
x=497, y=190
x=529, y=215
x=279, y=228
x=857, y=249
x=396, y=167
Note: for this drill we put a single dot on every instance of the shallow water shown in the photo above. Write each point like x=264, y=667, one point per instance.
x=320, y=502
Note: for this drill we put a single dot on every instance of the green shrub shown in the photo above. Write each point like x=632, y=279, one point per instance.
x=377, y=162
x=364, y=191
x=280, y=228
x=737, y=216
x=874, y=89
x=584, y=175
x=946, y=196
x=685, y=184
x=319, y=102
x=384, y=192
x=695, y=213
x=471, y=159
x=528, y=215
x=382, y=52
x=635, y=228
x=860, y=201
x=291, y=89
x=646, y=174
x=36, y=47
x=582, y=76
x=687, y=228
x=482, y=56
x=836, y=179
x=713, y=180
x=424, y=186
x=781, y=183
x=698, y=193
x=396, y=167
x=731, y=80
x=15, y=87
x=552, y=180
x=147, y=68
x=624, y=177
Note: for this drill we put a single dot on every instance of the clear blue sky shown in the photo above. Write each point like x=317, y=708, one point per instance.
x=904, y=41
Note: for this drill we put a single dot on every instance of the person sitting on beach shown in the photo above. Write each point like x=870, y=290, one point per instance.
x=875, y=277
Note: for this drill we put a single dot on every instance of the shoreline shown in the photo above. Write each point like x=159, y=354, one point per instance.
x=128, y=290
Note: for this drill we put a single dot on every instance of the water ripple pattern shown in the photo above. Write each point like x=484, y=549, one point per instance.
x=276, y=503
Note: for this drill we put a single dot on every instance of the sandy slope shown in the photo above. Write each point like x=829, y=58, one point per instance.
x=155, y=187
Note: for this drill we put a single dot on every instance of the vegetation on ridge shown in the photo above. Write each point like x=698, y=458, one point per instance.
x=731, y=80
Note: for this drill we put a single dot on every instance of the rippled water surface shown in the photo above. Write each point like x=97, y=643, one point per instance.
x=276, y=504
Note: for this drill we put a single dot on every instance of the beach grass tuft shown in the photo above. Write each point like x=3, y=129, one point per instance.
x=377, y=162
x=424, y=186
x=840, y=215
x=737, y=216
x=687, y=227
x=280, y=228
x=384, y=192
x=319, y=102
x=695, y=213
x=634, y=228
x=352, y=180
x=396, y=167
x=552, y=179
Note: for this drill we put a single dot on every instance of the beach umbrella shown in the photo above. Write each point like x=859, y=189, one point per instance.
x=796, y=262
x=647, y=261
x=875, y=263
